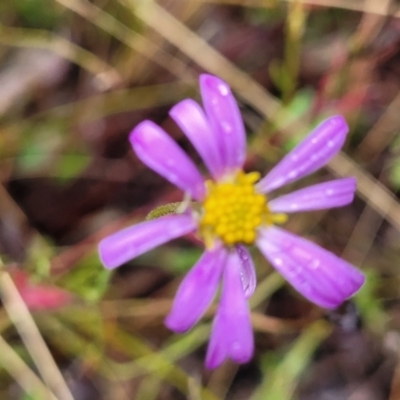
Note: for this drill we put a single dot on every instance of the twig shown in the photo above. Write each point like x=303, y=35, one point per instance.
x=372, y=191
x=33, y=340
x=204, y=55
x=374, y=7
x=22, y=374
x=382, y=133
x=130, y=38
x=38, y=38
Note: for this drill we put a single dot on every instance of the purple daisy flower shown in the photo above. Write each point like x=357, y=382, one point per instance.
x=234, y=211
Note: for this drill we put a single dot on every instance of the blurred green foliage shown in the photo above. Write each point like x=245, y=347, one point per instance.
x=282, y=372
x=35, y=13
x=89, y=279
x=108, y=80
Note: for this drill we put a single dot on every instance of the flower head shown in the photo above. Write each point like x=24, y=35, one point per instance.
x=235, y=211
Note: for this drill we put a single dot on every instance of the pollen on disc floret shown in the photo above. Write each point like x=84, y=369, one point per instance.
x=232, y=211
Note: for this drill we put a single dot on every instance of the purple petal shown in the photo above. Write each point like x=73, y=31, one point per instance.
x=196, y=291
x=232, y=334
x=160, y=153
x=191, y=119
x=317, y=274
x=129, y=243
x=247, y=271
x=337, y=193
x=225, y=120
x=311, y=154
x=217, y=350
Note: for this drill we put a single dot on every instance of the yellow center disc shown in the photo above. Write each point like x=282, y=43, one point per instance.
x=234, y=210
